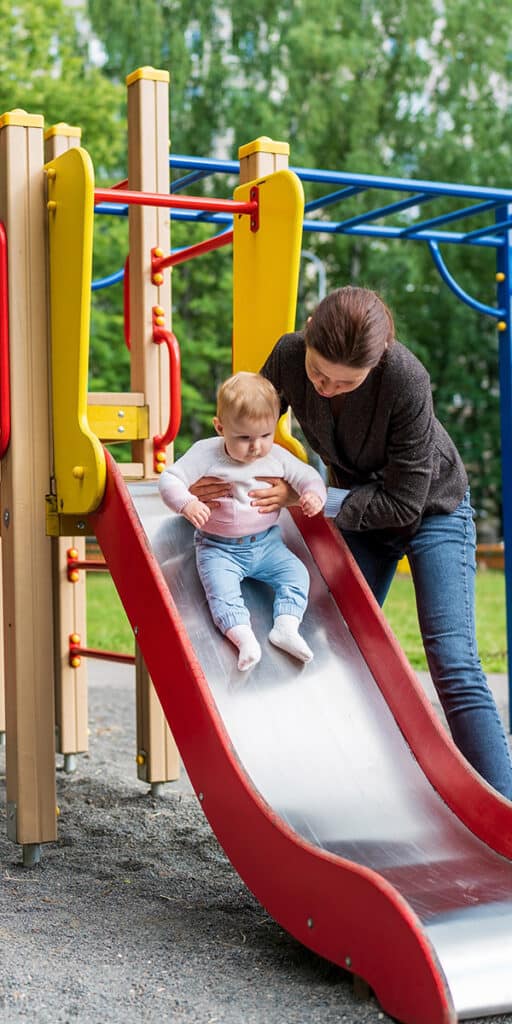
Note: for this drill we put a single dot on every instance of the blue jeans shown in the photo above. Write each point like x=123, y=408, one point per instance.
x=443, y=564
x=223, y=562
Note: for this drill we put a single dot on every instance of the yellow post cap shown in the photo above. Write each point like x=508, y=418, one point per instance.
x=151, y=74
x=21, y=119
x=62, y=129
x=263, y=145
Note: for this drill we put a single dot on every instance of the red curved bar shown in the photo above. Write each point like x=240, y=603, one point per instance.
x=5, y=388
x=204, y=203
x=160, y=442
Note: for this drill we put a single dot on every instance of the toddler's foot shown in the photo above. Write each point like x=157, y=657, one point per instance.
x=249, y=650
x=285, y=634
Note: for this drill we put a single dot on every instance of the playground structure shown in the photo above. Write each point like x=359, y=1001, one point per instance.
x=377, y=891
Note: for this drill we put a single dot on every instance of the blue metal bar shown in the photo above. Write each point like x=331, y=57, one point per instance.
x=332, y=197
x=205, y=164
x=438, y=188
x=499, y=226
x=384, y=211
x=105, y=282
x=481, y=307
x=373, y=231
x=504, y=267
x=445, y=218
x=113, y=209
x=188, y=179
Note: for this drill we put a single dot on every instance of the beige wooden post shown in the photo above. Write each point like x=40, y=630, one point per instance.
x=262, y=156
x=26, y=473
x=2, y=670
x=70, y=599
x=149, y=228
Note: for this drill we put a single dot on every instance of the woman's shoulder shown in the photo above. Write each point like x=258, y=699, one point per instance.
x=290, y=345
x=402, y=368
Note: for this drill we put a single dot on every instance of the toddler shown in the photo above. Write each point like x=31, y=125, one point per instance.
x=233, y=540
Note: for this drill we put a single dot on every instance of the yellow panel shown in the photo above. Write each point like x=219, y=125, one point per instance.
x=149, y=74
x=119, y=423
x=79, y=459
x=266, y=265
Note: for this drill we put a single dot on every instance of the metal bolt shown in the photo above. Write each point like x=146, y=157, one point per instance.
x=201, y=796
x=7, y=516
x=80, y=525
x=120, y=430
x=136, y=630
x=348, y=961
x=310, y=922
x=120, y=413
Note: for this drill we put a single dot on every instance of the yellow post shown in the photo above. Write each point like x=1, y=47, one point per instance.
x=266, y=263
x=70, y=603
x=148, y=170
x=26, y=475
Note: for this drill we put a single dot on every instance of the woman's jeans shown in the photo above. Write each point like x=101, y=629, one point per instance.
x=223, y=562
x=443, y=565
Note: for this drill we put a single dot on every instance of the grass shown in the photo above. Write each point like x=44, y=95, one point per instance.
x=108, y=627
x=400, y=611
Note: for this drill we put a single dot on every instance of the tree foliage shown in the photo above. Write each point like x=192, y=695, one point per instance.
x=405, y=88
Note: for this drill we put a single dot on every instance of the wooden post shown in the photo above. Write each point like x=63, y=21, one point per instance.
x=262, y=156
x=70, y=599
x=149, y=228
x=26, y=480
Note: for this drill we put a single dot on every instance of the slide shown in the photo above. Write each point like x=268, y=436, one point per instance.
x=333, y=788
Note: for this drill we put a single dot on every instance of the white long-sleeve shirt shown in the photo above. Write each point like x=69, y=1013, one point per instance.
x=235, y=516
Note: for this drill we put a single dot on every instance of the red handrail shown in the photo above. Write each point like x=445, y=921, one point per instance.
x=160, y=442
x=5, y=387
x=188, y=253
x=204, y=203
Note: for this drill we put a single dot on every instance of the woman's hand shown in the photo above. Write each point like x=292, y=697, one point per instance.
x=278, y=495
x=209, y=489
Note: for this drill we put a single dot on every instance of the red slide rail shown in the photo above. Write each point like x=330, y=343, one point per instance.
x=324, y=901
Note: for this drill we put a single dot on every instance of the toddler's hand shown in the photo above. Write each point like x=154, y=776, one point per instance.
x=196, y=512
x=311, y=503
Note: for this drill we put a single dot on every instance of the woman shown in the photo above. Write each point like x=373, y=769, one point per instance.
x=398, y=486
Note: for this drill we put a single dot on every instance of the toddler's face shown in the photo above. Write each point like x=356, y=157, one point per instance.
x=246, y=439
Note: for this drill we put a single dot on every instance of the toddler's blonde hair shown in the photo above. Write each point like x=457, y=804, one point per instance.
x=247, y=395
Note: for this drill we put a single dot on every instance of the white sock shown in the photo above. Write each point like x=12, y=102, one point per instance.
x=285, y=634
x=249, y=650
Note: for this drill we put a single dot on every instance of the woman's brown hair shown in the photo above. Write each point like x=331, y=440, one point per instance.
x=352, y=326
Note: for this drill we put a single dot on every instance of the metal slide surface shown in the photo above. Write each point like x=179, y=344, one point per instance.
x=320, y=746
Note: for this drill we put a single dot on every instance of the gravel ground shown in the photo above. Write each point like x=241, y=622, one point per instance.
x=135, y=915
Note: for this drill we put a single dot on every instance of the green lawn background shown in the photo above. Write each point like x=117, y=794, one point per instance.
x=108, y=627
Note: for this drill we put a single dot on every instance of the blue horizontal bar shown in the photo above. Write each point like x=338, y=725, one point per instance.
x=445, y=218
x=332, y=197
x=188, y=179
x=438, y=188
x=105, y=282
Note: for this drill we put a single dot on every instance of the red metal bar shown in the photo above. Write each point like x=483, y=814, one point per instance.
x=77, y=652
x=105, y=195
x=160, y=442
x=160, y=263
x=5, y=387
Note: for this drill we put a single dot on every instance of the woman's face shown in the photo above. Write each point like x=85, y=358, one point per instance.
x=331, y=379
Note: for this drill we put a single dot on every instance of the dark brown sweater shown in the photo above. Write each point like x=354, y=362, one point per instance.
x=385, y=445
